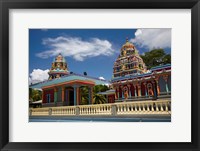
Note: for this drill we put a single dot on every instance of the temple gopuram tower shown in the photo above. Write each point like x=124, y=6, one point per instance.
x=131, y=81
x=128, y=62
x=59, y=68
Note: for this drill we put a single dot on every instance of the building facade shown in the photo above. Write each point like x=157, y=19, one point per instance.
x=63, y=87
x=132, y=81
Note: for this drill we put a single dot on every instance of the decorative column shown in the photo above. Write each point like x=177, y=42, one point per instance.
x=145, y=89
x=75, y=94
x=78, y=95
x=154, y=89
x=139, y=89
x=55, y=95
x=115, y=94
x=118, y=92
x=129, y=89
x=157, y=83
x=67, y=97
x=135, y=90
x=63, y=94
x=122, y=91
x=165, y=77
x=116, y=97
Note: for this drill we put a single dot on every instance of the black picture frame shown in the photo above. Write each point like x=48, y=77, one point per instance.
x=5, y=5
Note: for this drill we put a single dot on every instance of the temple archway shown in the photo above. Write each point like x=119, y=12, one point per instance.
x=71, y=97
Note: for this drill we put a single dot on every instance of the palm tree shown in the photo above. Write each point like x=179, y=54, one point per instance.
x=84, y=95
x=99, y=99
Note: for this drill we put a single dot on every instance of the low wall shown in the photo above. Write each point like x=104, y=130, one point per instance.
x=161, y=107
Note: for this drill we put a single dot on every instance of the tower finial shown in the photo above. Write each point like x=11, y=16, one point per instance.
x=126, y=39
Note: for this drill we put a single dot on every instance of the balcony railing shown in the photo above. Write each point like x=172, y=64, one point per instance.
x=161, y=107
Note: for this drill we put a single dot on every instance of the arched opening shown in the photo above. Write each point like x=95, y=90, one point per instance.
x=71, y=97
x=150, y=90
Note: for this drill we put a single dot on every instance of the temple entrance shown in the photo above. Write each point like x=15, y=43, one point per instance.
x=71, y=97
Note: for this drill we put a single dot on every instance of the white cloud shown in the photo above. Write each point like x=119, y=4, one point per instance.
x=153, y=38
x=76, y=47
x=101, y=78
x=29, y=80
x=38, y=75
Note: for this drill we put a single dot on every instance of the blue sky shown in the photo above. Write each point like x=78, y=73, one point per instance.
x=88, y=50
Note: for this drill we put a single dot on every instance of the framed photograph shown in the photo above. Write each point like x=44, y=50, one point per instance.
x=85, y=75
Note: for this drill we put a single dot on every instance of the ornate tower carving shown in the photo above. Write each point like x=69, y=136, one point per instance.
x=58, y=68
x=128, y=62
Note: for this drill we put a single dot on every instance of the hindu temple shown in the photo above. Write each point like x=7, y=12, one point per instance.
x=130, y=81
x=63, y=87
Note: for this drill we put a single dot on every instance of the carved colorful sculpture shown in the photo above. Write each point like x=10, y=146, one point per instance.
x=59, y=68
x=129, y=61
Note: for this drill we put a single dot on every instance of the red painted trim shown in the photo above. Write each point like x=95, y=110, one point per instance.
x=71, y=83
x=111, y=98
x=45, y=92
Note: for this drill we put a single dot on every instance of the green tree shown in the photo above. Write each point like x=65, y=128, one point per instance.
x=100, y=88
x=84, y=95
x=167, y=59
x=35, y=95
x=30, y=94
x=156, y=57
x=97, y=98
